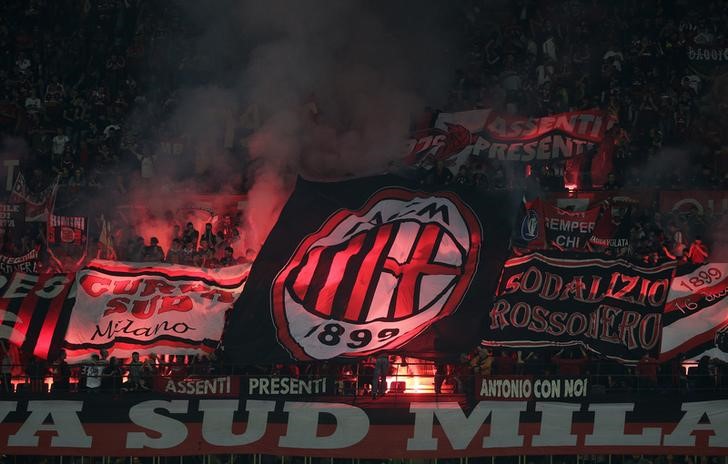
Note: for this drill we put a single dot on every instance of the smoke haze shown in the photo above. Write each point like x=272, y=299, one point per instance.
x=334, y=84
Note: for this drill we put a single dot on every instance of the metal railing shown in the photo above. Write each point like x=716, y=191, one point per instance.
x=354, y=381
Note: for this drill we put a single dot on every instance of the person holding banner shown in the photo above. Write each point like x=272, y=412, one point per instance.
x=379, y=379
x=6, y=369
x=570, y=363
x=698, y=252
x=92, y=374
x=646, y=371
x=136, y=374
x=61, y=374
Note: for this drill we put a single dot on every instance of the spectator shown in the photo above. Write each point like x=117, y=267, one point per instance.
x=570, y=363
x=154, y=253
x=646, y=371
x=174, y=254
x=111, y=376
x=208, y=236
x=190, y=235
x=440, y=174
x=700, y=376
x=61, y=374
x=59, y=144
x=187, y=255
x=228, y=259
x=200, y=366
x=504, y=363
x=611, y=183
x=698, y=252
x=136, y=374
x=379, y=379
x=6, y=368
x=482, y=362
x=150, y=369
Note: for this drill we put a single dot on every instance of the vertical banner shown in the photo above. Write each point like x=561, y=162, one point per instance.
x=38, y=205
x=35, y=311
x=611, y=307
x=67, y=240
x=612, y=231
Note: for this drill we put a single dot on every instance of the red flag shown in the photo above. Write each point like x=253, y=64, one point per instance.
x=37, y=204
x=603, y=163
x=572, y=172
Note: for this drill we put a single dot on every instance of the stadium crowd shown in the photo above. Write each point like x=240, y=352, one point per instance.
x=102, y=373
x=80, y=81
x=77, y=95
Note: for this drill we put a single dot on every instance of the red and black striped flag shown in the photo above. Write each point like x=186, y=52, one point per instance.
x=67, y=239
x=356, y=267
x=695, y=322
x=35, y=311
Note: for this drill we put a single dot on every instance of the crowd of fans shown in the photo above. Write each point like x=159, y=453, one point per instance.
x=375, y=376
x=80, y=81
x=80, y=92
x=635, y=61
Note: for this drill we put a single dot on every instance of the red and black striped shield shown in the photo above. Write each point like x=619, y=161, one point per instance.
x=375, y=277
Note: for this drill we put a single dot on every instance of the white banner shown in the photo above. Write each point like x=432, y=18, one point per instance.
x=695, y=321
x=150, y=308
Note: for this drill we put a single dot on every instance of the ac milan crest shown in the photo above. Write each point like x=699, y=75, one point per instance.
x=376, y=277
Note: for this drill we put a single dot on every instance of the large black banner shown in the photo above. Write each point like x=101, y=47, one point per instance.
x=356, y=267
x=608, y=306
